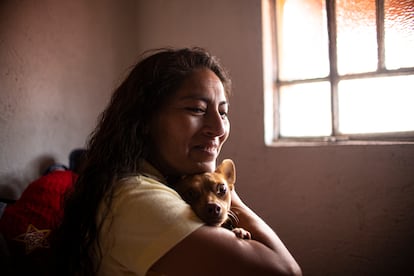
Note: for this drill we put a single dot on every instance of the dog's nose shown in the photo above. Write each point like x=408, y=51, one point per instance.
x=213, y=209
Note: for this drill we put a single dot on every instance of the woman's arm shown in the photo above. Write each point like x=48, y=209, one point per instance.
x=261, y=232
x=217, y=251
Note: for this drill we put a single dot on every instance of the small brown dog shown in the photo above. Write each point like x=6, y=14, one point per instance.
x=209, y=195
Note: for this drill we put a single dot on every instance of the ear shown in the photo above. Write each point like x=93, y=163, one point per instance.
x=228, y=169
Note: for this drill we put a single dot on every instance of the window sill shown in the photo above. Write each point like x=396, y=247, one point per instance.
x=323, y=143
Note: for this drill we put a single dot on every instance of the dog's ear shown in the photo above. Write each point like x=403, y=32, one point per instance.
x=228, y=169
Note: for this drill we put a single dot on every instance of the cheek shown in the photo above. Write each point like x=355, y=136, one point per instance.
x=223, y=138
x=182, y=129
x=170, y=133
x=163, y=140
x=226, y=130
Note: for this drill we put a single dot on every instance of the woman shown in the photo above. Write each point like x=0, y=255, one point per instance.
x=167, y=119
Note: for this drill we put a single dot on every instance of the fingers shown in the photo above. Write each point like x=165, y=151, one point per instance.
x=242, y=234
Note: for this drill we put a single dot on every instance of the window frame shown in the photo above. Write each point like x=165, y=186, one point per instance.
x=272, y=82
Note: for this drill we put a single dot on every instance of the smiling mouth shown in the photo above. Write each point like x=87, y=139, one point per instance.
x=207, y=152
x=211, y=150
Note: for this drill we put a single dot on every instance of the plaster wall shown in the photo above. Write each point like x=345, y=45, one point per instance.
x=59, y=62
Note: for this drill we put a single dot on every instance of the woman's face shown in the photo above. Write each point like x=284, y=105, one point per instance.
x=190, y=129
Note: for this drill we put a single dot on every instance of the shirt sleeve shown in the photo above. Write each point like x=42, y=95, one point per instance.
x=148, y=218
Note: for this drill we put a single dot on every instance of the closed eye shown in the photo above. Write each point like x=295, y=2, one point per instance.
x=196, y=110
x=224, y=109
x=223, y=114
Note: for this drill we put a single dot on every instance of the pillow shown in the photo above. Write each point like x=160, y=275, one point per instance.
x=28, y=223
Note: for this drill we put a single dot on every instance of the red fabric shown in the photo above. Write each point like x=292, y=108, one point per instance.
x=27, y=224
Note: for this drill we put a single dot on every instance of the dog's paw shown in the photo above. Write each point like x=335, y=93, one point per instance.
x=242, y=234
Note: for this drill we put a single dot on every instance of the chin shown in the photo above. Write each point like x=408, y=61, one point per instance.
x=209, y=166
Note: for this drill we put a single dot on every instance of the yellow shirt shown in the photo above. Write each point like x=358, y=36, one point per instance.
x=147, y=219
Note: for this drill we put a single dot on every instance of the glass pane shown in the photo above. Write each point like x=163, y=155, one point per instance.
x=399, y=33
x=376, y=105
x=305, y=110
x=356, y=36
x=303, y=39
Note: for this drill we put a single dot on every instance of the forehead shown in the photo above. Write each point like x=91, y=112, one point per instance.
x=201, y=83
x=210, y=177
x=206, y=179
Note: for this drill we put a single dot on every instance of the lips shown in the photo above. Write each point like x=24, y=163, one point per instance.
x=208, y=148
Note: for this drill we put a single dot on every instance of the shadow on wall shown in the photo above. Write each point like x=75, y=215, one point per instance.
x=12, y=185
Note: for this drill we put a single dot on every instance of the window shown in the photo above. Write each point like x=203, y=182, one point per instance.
x=338, y=69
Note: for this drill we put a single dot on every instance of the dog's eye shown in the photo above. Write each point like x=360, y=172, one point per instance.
x=221, y=189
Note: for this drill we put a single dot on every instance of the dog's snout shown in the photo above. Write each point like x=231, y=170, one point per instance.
x=213, y=209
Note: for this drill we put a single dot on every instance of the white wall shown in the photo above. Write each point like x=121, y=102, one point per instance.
x=341, y=210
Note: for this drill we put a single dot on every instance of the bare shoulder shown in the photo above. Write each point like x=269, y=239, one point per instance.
x=217, y=251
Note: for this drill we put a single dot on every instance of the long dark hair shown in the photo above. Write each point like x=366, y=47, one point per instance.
x=117, y=147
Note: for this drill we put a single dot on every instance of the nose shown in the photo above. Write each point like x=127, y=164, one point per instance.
x=216, y=125
x=213, y=209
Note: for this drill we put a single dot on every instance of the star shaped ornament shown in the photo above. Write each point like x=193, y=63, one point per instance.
x=34, y=238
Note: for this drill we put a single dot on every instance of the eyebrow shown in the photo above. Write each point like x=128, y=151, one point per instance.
x=204, y=99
